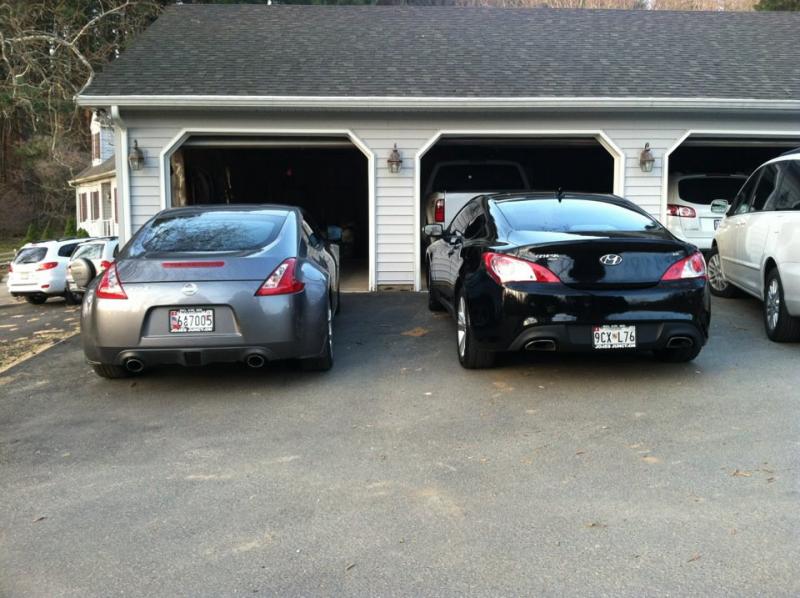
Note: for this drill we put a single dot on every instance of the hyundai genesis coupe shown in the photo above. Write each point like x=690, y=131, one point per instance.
x=566, y=272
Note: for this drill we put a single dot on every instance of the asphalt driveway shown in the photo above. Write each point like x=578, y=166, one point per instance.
x=399, y=473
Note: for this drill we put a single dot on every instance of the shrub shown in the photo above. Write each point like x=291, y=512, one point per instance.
x=82, y=233
x=32, y=234
x=69, y=228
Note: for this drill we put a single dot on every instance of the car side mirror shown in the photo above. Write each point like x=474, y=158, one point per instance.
x=334, y=233
x=433, y=231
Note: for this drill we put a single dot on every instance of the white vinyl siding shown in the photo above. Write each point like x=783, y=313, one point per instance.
x=395, y=218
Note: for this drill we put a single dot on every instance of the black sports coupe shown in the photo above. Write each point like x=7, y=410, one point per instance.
x=566, y=272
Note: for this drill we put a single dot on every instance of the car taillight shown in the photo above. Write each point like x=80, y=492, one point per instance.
x=110, y=286
x=282, y=281
x=47, y=266
x=693, y=266
x=10, y=268
x=105, y=264
x=505, y=268
x=680, y=211
x=438, y=210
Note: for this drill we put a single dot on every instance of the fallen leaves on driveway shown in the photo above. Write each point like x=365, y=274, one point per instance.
x=416, y=332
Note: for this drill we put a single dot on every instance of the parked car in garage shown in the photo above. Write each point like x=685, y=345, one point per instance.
x=87, y=261
x=454, y=183
x=223, y=283
x=696, y=204
x=566, y=272
x=757, y=246
x=39, y=271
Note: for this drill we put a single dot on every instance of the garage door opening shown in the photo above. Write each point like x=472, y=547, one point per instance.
x=707, y=168
x=326, y=177
x=462, y=166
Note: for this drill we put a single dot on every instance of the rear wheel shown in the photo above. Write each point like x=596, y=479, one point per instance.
x=716, y=281
x=469, y=355
x=681, y=355
x=780, y=326
x=36, y=299
x=106, y=370
x=325, y=360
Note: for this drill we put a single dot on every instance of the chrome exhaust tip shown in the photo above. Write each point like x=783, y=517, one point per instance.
x=255, y=361
x=680, y=342
x=541, y=344
x=134, y=365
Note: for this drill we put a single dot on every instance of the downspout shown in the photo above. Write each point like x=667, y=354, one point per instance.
x=123, y=185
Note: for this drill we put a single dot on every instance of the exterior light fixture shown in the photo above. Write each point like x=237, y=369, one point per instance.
x=646, y=159
x=394, y=161
x=136, y=157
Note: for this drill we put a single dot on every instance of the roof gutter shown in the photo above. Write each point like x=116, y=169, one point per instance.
x=428, y=103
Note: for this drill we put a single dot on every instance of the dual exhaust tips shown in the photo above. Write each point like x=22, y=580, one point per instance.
x=136, y=366
x=548, y=344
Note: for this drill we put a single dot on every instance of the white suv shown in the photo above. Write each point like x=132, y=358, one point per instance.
x=88, y=260
x=39, y=270
x=696, y=204
x=757, y=246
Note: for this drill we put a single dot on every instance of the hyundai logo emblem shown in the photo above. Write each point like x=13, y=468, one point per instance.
x=611, y=259
x=189, y=288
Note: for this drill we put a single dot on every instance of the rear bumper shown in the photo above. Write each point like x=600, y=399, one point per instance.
x=190, y=356
x=507, y=318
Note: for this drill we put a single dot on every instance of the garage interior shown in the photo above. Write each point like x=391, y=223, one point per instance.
x=327, y=177
x=570, y=163
x=700, y=154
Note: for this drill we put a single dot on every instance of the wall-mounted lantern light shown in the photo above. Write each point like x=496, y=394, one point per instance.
x=136, y=157
x=394, y=161
x=646, y=159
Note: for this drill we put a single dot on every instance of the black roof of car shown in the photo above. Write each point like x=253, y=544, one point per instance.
x=446, y=52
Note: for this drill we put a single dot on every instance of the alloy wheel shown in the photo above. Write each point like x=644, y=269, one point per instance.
x=715, y=278
x=773, y=304
x=462, y=326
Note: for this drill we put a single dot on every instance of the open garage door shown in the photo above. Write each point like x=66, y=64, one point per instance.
x=325, y=176
x=704, y=174
x=458, y=167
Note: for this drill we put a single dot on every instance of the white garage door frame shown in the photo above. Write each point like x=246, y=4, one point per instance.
x=177, y=141
x=732, y=133
x=612, y=148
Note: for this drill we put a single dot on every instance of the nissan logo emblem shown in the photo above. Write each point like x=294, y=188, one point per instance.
x=189, y=288
x=611, y=259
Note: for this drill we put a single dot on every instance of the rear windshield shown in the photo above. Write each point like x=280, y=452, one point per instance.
x=574, y=216
x=478, y=177
x=211, y=231
x=704, y=191
x=31, y=255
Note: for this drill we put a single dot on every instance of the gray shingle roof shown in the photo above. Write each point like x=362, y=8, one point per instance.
x=258, y=50
x=106, y=167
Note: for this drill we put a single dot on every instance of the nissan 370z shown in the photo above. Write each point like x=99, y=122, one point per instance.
x=566, y=272
x=209, y=284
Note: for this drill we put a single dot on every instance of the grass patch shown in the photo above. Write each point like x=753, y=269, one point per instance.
x=9, y=244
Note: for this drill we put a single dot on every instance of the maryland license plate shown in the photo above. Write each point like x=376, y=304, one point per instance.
x=191, y=320
x=614, y=337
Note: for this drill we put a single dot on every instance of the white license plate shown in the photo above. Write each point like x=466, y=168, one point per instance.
x=191, y=320
x=614, y=337
x=716, y=223
x=24, y=275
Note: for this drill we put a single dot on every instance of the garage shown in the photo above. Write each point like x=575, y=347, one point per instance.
x=324, y=175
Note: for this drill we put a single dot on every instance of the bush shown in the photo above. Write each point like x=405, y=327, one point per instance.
x=69, y=228
x=32, y=234
x=82, y=234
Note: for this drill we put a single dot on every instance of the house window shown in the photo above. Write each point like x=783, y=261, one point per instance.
x=105, y=190
x=82, y=207
x=95, y=205
x=96, y=146
x=116, y=206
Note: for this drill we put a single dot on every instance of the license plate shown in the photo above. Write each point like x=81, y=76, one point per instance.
x=191, y=320
x=24, y=275
x=716, y=223
x=614, y=337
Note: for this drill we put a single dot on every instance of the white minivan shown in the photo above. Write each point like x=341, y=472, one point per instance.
x=757, y=246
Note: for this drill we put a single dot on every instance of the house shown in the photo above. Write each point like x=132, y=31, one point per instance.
x=96, y=198
x=305, y=104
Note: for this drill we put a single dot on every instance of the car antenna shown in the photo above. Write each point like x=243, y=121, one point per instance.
x=559, y=194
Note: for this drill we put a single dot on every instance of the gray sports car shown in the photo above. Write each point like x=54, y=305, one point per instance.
x=227, y=283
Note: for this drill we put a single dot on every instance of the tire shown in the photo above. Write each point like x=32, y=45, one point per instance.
x=324, y=361
x=433, y=302
x=72, y=298
x=469, y=355
x=106, y=370
x=717, y=284
x=779, y=325
x=678, y=355
x=36, y=299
